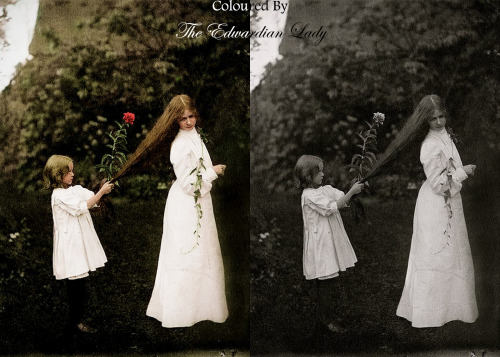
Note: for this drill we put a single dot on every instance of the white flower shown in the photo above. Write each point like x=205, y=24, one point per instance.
x=378, y=118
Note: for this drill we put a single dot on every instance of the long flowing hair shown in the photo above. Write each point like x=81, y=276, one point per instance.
x=158, y=141
x=414, y=131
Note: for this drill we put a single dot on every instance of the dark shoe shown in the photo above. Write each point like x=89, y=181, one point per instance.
x=85, y=328
x=335, y=328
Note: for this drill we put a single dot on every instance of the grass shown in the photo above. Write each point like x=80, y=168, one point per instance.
x=35, y=309
x=283, y=315
x=282, y=312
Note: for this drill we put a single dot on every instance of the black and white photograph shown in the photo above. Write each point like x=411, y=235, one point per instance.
x=124, y=184
x=375, y=167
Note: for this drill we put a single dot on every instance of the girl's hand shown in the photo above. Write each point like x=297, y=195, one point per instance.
x=107, y=187
x=356, y=188
x=219, y=169
x=469, y=169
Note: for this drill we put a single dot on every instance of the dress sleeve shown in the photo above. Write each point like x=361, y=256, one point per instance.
x=325, y=203
x=437, y=168
x=71, y=202
x=337, y=194
x=185, y=164
x=84, y=193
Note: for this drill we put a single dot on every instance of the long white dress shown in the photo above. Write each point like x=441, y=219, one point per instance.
x=439, y=284
x=189, y=285
x=77, y=249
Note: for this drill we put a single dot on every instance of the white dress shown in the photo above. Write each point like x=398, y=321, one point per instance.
x=77, y=249
x=189, y=285
x=327, y=249
x=439, y=284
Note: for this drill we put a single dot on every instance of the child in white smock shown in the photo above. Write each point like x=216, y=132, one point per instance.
x=327, y=249
x=77, y=249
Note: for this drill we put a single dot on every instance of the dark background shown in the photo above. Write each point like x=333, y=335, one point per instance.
x=378, y=56
x=93, y=61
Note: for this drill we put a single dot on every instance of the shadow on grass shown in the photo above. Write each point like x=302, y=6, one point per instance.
x=33, y=309
x=283, y=313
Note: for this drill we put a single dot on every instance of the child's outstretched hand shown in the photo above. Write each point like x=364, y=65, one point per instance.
x=357, y=188
x=107, y=187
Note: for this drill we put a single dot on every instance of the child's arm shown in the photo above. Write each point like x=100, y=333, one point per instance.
x=355, y=189
x=105, y=189
x=327, y=204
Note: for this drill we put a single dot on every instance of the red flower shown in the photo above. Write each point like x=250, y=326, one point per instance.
x=129, y=118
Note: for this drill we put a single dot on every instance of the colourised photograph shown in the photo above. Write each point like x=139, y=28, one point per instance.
x=124, y=201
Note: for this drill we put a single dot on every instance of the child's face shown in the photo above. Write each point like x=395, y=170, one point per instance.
x=68, y=178
x=318, y=178
x=187, y=121
x=438, y=120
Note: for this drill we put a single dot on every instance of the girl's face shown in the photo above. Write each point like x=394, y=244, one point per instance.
x=68, y=178
x=438, y=120
x=318, y=178
x=187, y=121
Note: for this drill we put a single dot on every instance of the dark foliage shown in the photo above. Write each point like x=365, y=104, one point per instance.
x=380, y=56
x=34, y=304
x=68, y=97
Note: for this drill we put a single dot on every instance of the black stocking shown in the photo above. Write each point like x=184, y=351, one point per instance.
x=76, y=298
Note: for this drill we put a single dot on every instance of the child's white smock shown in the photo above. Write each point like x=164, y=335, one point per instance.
x=327, y=249
x=189, y=285
x=77, y=249
x=439, y=284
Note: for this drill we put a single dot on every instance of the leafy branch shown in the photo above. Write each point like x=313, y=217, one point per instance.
x=447, y=202
x=197, y=192
x=112, y=162
x=450, y=167
x=363, y=162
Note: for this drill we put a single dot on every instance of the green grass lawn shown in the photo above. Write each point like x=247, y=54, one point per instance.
x=33, y=309
x=283, y=314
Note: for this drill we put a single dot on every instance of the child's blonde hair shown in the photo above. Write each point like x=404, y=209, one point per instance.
x=306, y=168
x=55, y=169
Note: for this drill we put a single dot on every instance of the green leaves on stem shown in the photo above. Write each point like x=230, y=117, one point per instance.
x=112, y=162
x=361, y=163
x=197, y=192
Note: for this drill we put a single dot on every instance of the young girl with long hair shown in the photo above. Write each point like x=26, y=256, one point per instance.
x=439, y=285
x=189, y=285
